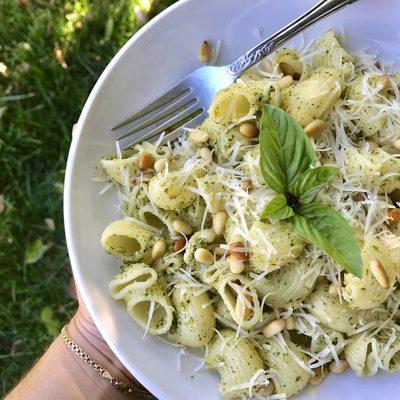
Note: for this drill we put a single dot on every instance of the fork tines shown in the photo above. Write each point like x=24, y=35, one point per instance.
x=168, y=113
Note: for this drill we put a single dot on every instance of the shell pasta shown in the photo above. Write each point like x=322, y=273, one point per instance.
x=205, y=266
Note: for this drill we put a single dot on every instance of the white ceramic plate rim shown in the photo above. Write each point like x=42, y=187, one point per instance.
x=77, y=133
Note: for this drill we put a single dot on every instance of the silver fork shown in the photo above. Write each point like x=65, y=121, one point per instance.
x=186, y=104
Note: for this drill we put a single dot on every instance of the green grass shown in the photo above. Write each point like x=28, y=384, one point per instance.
x=53, y=52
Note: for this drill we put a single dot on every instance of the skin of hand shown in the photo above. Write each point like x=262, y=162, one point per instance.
x=60, y=374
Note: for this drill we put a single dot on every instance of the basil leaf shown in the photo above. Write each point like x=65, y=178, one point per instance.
x=271, y=157
x=306, y=186
x=328, y=230
x=286, y=150
x=277, y=209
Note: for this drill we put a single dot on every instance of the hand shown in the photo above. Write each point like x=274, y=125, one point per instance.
x=61, y=374
x=84, y=332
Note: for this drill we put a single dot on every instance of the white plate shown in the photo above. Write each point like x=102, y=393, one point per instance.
x=164, y=51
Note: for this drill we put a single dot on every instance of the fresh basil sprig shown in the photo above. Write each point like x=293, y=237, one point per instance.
x=310, y=183
x=277, y=208
x=286, y=151
x=287, y=164
x=327, y=229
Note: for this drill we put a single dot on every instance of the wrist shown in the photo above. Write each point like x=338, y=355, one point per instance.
x=84, y=333
x=75, y=367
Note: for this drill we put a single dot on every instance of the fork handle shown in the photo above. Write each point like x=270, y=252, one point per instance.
x=267, y=46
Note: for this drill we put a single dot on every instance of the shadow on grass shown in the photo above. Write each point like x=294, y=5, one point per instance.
x=51, y=54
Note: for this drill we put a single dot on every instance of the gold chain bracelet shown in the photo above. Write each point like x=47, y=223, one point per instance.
x=121, y=386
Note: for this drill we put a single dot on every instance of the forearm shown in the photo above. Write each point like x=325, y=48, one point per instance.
x=61, y=374
x=57, y=375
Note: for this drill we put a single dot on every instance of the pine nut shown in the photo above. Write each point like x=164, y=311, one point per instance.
x=384, y=82
x=247, y=184
x=159, y=249
x=379, y=273
x=286, y=68
x=179, y=244
x=182, y=227
x=273, y=328
x=285, y=82
x=396, y=144
x=236, y=250
x=315, y=127
x=242, y=311
x=218, y=222
x=290, y=323
x=339, y=368
x=320, y=374
x=333, y=290
x=248, y=130
x=266, y=65
x=394, y=216
x=204, y=256
x=198, y=136
x=205, y=154
x=146, y=161
x=160, y=164
x=205, y=52
x=236, y=265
